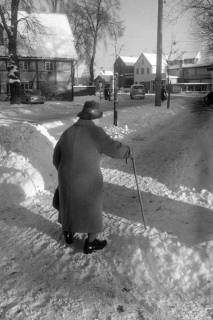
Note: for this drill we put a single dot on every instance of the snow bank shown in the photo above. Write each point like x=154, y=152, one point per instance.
x=167, y=278
x=139, y=275
x=25, y=160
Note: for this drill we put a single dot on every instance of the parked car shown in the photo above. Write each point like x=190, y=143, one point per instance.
x=32, y=96
x=137, y=91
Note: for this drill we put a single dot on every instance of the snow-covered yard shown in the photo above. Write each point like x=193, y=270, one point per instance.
x=142, y=274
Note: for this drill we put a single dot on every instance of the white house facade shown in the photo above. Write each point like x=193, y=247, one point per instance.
x=145, y=71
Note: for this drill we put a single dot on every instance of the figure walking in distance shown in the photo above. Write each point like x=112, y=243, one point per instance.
x=77, y=157
x=163, y=94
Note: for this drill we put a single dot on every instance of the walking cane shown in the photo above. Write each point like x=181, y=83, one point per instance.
x=138, y=190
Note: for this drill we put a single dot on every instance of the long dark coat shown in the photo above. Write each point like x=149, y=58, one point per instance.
x=77, y=158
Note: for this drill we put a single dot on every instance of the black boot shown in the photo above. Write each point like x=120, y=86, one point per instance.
x=68, y=237
x=90, y=247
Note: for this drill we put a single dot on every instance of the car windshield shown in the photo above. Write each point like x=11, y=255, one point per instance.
x=34, y=92
x=138, y=87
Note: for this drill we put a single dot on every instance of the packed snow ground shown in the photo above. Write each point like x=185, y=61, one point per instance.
x=142, y=274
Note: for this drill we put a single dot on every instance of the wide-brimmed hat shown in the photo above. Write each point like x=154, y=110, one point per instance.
x=91, y=110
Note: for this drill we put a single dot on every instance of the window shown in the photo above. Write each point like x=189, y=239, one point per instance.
x=148, y=71
x=32, y=65
x=142, y=70
x=25, y=85
x=186, y=72
x=188, y=61
x=3, y=66
x=23, y=65
x=137, y=71
x=191, y=71
x=49, y=66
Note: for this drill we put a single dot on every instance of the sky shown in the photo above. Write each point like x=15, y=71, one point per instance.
x=140, y=21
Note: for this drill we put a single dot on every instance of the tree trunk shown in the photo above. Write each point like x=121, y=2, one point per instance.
x=91, y=66
x=13, y=71
x=91, y=70
x=14, y=80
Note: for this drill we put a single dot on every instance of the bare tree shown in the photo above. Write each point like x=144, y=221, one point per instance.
x=93, y=21
x=10, y=24
x=202, y=14
x=56, y=5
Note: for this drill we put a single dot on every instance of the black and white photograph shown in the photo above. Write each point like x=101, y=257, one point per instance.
x=106, y=159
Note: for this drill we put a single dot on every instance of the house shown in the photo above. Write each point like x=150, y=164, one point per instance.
x=192, y=71
x=46, y=57
x=104, y=77
x=124, y=68
x=185, y=58
x=177, y=62
x=145, y=71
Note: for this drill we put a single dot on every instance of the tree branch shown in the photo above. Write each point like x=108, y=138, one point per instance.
x=4, y=23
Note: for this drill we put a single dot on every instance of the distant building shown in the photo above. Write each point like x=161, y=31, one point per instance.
x=178, y=62
x=145, y=71
x=46, y=57
x=104, y=77
x=185, y=58
x=192, y=71
x=124, y=67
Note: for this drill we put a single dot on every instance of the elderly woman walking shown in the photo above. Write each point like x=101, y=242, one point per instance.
x=77, y=159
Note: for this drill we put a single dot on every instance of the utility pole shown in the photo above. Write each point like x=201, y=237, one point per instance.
x=169, y=94
x=159, y=55
x=115, y=99
x=115, y=84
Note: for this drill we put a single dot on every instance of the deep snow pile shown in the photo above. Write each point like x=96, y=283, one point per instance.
x=26, y=158
x=140, y=275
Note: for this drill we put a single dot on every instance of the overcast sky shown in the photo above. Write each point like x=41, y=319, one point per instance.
x=140, y=20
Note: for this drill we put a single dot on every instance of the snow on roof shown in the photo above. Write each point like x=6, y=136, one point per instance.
x=185, y=55
x=129, y=60
x=105, y=73
x=54, y=40
x=152, y=58
x=191, y=55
